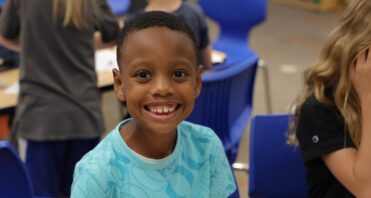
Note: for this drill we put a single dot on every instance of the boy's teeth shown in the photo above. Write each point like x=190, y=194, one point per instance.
x=162, y=109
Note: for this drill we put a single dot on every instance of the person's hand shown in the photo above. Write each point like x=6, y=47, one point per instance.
x=361, y=76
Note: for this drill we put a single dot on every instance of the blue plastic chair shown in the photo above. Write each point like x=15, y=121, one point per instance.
x=14, y=181
x=119, y=7
x=225, y=102
x=236, y=18
x=276, y=168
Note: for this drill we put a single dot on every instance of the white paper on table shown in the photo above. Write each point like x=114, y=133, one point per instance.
x=218, y=57
x=13, y=89
x=105, y=60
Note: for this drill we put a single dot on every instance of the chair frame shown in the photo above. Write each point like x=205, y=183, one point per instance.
x=205, y=113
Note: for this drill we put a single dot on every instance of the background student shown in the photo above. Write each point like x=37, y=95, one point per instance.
x=333, y=113
x=58, y=116
x=192, y=15
x=156, y=153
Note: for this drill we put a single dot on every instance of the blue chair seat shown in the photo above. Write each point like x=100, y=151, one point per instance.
x=276, y=168
x=15, y=181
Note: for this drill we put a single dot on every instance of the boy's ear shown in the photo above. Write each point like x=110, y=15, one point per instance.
x=118, y=85
x=198, y=79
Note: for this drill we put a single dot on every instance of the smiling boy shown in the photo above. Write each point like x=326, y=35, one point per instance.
x=156, y=153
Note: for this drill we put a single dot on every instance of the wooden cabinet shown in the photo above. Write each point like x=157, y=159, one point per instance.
x=314, y=5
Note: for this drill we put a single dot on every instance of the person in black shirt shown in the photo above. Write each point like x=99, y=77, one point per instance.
x=333, y=114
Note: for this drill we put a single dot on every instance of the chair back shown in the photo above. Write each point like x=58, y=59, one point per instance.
x=14, y=181
x=119, y=7
x=276, y=168
x=236, y=18
x=225, y=102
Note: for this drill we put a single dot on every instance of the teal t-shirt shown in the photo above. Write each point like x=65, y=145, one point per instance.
x=197, y=167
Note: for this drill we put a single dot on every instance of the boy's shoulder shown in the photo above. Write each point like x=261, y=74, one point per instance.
x=194, y=132
x=100, y=153
x=97, y=172
x=99, y=163
x=104, y=153
x=196, y=129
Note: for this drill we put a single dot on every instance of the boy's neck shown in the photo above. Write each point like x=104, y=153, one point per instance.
x=150, y=145
x=163, y=5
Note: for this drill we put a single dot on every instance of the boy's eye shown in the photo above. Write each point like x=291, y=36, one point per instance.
x=179, y=74
x=142, y=75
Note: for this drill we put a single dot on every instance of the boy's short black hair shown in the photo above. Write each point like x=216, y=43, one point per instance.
x=153, y=19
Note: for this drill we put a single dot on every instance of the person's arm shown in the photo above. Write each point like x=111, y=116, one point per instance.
x=99, y=44
x=10, y=44
x=10, y=25
x=107, y=27
x=98, y=40
x=204, y=44
x=206, y=57
x=350, y=166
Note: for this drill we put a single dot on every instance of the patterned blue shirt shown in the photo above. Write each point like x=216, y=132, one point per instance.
x=197, y=167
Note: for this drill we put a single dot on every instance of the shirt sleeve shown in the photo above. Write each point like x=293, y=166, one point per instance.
x=10, y=20
x=107, y=23
x=222, y=181
x=321, y=130
x=85, y=185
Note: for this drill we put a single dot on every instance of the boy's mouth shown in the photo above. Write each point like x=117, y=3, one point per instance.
x=161, y=109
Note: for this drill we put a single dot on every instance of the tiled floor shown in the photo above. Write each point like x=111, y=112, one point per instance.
x=289, y=41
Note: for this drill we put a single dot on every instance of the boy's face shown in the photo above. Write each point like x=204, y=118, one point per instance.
x=158, y=79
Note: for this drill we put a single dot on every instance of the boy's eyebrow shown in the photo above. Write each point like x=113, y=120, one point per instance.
x=149, y=66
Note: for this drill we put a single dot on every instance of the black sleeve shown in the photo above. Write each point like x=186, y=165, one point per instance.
x=10, y=20
x=133, y=15
x=321, y=130
x=203, y=28
x=204, y=36
x=107, y=23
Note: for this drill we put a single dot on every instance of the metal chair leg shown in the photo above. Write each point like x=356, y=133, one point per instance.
x=263, y=66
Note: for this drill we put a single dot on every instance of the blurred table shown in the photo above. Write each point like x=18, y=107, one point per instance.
x=105, y=60
x=8, y=96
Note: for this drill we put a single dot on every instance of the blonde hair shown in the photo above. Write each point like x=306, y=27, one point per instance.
x=74, y=11
x=329, y=79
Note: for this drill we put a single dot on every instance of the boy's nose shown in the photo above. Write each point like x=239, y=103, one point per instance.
x=162, y=87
